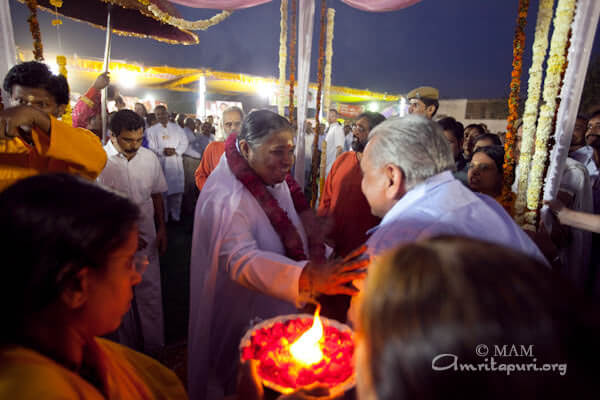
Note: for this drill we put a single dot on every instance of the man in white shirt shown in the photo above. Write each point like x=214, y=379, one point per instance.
x=334, y=139
x=135, y=172
x=348, y=137
x=168, y=141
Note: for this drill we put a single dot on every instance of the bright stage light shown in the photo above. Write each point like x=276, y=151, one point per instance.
x=149, y=98
x=373, y=107
x=265, y=90
x=54, y=68
x=126, y=79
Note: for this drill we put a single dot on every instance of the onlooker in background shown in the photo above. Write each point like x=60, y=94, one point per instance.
x=180, y=120
x=169, y=142
x=32, y=140
x=454, y=133
x=211, y=120
x=231, y=122
x=334, y=137
x=151, y=120
x=140, y=109
x=486, y=171
x=197, y=142
x=135, y=172
x=423, y=101
x=120, y=103
x=72, y=285
x=88, y=105
x=472, y=132
x=487, y=139
x=348, y=137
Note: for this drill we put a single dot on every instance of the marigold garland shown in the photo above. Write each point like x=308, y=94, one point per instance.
x=328, y=58
x=293, y=35
x=34, y=28
x=513, y=105
x=62, y=69
x=540, y=47
x=554, y=72
x=282, y=56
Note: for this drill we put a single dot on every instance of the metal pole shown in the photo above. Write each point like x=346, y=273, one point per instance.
x=105, y=68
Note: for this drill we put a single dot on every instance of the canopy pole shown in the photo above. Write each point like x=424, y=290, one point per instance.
x=105, y=68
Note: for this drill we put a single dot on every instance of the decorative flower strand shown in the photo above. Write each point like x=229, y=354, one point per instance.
x=199, y=25
x=328, y=58
x=282, y=57
x=540, y=47
x=513, y=105
x=293, y=36
x=556, y=62
x=62, y=69
x=34, y=28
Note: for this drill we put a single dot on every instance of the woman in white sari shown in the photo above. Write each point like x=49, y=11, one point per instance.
x=251, y=251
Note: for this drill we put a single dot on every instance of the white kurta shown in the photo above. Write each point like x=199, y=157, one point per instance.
x=334, y=138
x=138, y=179
x=161, y=137
x=238, y=272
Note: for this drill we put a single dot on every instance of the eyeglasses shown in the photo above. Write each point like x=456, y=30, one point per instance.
x=140, y=263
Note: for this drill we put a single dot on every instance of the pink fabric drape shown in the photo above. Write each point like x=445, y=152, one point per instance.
x=220, y=4
x=365, y=5
x=380, y=5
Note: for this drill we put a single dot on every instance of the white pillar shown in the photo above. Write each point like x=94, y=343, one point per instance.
x=8, y=53
x=306, y=19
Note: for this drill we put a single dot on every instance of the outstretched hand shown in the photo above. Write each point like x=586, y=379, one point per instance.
x=333, y=278
x=18, y=122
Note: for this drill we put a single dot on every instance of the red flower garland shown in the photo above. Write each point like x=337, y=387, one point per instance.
x=34, y=28
x=277, y=216
x=292, y=61
x=513, y=105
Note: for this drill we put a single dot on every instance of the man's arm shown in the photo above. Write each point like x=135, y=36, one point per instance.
x=159, y=220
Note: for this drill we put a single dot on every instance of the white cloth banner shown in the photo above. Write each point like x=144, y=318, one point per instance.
x=305, y=33
x=8, y=53
x=582, y=39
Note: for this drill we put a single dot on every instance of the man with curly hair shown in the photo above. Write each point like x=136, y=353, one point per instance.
x=32, y=139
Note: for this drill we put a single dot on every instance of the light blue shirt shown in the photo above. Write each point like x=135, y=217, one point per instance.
x=442, y=205
x=585, y=155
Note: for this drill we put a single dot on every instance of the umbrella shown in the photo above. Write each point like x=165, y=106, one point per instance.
x=124, y=17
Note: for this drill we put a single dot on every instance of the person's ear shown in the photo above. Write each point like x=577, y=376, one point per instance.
x=76, y=292
x=395, y=182
x=430, y=110
x=244, y=148
x=61, y=110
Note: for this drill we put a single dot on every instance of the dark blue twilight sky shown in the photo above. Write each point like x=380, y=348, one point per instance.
x=462, y=47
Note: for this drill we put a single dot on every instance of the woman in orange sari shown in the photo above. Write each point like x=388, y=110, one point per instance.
x=69, y=272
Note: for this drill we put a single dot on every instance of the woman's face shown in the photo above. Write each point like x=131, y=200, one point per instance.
x=484, y=176
x=110, y=289
x=272, y=160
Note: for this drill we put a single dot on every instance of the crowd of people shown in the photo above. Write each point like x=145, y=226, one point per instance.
x=409, y=245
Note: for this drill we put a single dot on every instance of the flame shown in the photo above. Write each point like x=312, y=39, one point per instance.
x=306, y=350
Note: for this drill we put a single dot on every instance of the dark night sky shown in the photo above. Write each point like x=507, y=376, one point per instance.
x=462, y=47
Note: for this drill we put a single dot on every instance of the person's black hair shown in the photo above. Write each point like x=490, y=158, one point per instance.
x=453, y=126
x=53, y=226
x=594, y=115
x=161, y=106
x=33, y=74
x=478, y=127
x=495, y=152
x=259, y=124
x=125, y=120
x=431, y=102
x=373, y=118
x=489, y=136
x=334, y=110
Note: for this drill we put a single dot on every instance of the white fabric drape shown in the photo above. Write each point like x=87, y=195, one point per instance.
x=582, y=39
x=8, y=54
x=306, y=19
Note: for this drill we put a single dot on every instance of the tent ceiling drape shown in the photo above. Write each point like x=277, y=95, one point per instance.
x=365, y=5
